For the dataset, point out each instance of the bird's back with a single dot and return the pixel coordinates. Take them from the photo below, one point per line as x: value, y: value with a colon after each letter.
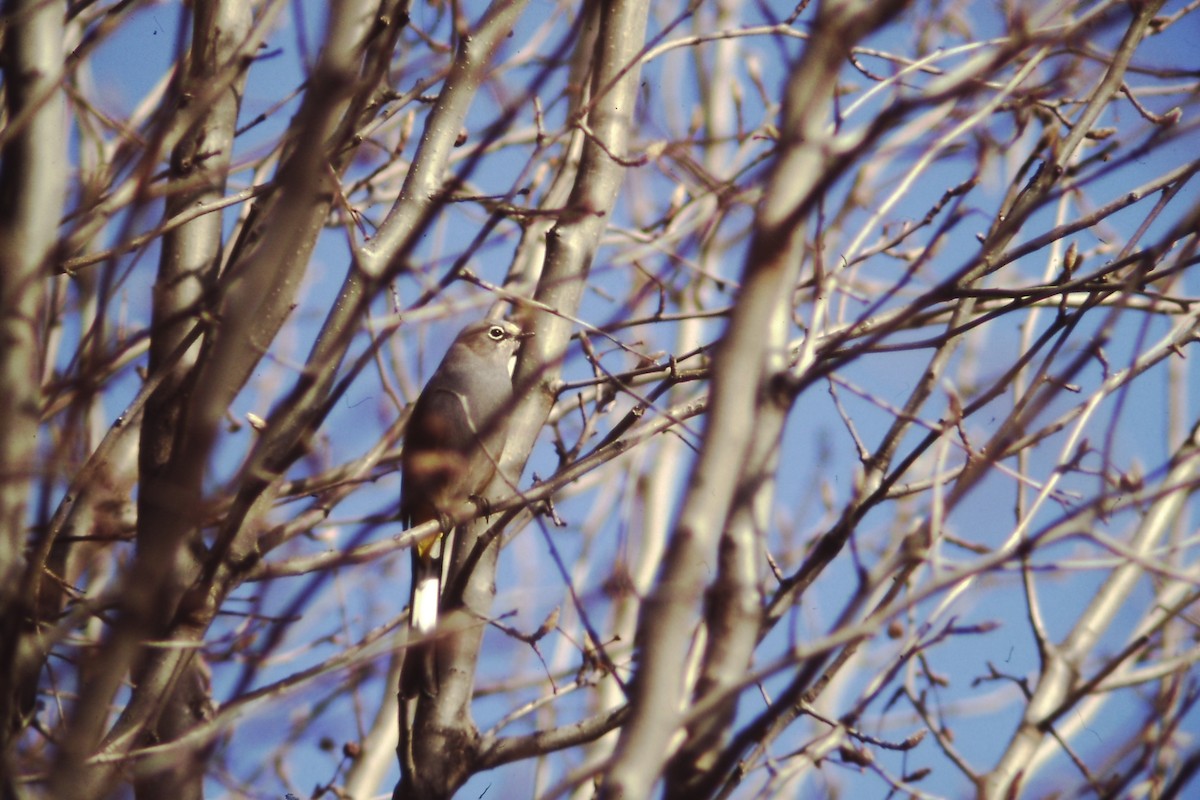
x: 455, y: 435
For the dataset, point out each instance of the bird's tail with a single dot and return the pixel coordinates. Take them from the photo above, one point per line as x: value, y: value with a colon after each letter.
x: 418, y: 675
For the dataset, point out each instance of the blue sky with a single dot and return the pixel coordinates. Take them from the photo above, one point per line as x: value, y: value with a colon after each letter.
x: 347, y: 605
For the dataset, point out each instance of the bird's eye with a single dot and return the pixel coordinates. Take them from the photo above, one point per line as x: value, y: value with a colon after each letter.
x: 495, y: 333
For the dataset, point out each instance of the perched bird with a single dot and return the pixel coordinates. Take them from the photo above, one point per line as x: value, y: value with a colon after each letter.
x: 452, y: 445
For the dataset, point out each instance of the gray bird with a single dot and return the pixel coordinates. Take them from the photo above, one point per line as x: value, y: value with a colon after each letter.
x: 451, y: 448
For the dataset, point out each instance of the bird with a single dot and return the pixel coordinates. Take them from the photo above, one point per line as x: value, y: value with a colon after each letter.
x: 452, y: 445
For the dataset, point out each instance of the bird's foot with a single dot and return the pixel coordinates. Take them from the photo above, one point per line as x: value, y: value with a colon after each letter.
x: 482, y: 505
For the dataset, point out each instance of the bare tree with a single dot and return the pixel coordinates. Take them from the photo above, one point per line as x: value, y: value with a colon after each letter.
x: 855, y: 451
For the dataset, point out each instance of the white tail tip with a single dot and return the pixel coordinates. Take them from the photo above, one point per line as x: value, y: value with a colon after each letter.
x: 425, y: 605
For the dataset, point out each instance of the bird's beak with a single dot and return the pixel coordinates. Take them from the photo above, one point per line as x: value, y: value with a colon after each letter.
x: 525, y: 335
